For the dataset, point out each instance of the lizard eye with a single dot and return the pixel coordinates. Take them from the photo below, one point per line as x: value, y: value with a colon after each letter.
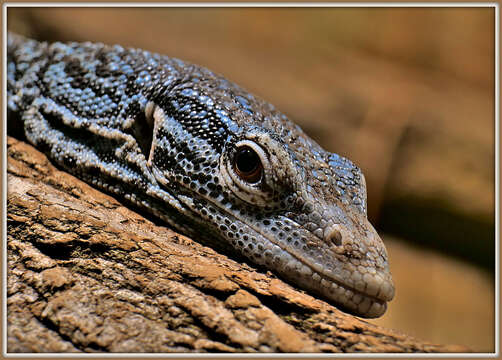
x: 247, y: 165
x: 246, y: 170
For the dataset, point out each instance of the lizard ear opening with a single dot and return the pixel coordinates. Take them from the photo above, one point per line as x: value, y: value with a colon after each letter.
x: 142, y: 130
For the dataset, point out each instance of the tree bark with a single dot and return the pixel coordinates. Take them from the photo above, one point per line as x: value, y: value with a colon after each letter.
x: 87, y: 274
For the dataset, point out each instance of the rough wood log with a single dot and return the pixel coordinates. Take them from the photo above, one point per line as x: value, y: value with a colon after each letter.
x: 87, y: 274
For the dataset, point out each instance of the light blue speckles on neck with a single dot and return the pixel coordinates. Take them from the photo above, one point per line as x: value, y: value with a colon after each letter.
x: 189, y: 92
x: 206, y: 100
x: 223, y: 116
x: 127, y: 69
x: 143, y: 78
x: 113, y: 66
x: 118, y: 48
x: 186, y: 108
x: 198, y: 115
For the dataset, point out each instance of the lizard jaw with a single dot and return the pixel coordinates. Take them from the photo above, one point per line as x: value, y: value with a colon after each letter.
x: 374, y: 288
x: 358, y: 302
x: 312, y: 276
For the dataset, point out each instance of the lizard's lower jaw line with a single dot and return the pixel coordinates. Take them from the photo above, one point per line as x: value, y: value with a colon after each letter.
x: 361, y: 292
x: 349, y: 299
x: 346, y: 297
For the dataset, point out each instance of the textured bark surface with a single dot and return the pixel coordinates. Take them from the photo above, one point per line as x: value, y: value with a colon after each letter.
x: 87, y: 274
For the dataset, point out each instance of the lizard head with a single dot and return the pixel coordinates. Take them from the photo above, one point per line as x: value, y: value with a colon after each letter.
x: 255, y: 180
x: 311, y: 205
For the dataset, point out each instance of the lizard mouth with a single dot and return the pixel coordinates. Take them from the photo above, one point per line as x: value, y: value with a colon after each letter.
x: 381, y: 295
x: 344, y: 295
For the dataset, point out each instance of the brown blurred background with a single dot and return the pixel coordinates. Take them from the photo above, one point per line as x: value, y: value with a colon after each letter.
x: 406, y: 93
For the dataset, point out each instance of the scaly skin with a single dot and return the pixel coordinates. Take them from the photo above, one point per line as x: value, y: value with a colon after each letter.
x: 167, y: 136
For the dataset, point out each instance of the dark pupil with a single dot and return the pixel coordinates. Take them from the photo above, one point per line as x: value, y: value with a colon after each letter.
x: 247, y: 160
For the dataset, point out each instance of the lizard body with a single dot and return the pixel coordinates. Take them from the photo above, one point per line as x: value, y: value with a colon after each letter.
x: 210, y: 159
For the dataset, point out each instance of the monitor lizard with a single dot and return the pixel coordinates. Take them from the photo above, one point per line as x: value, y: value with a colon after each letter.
x: 210, y: 159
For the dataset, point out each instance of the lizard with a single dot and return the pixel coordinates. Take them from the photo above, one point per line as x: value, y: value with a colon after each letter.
x: 208, y: 158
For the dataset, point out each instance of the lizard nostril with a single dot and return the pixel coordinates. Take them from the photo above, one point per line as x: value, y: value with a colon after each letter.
x: 333, y: 235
